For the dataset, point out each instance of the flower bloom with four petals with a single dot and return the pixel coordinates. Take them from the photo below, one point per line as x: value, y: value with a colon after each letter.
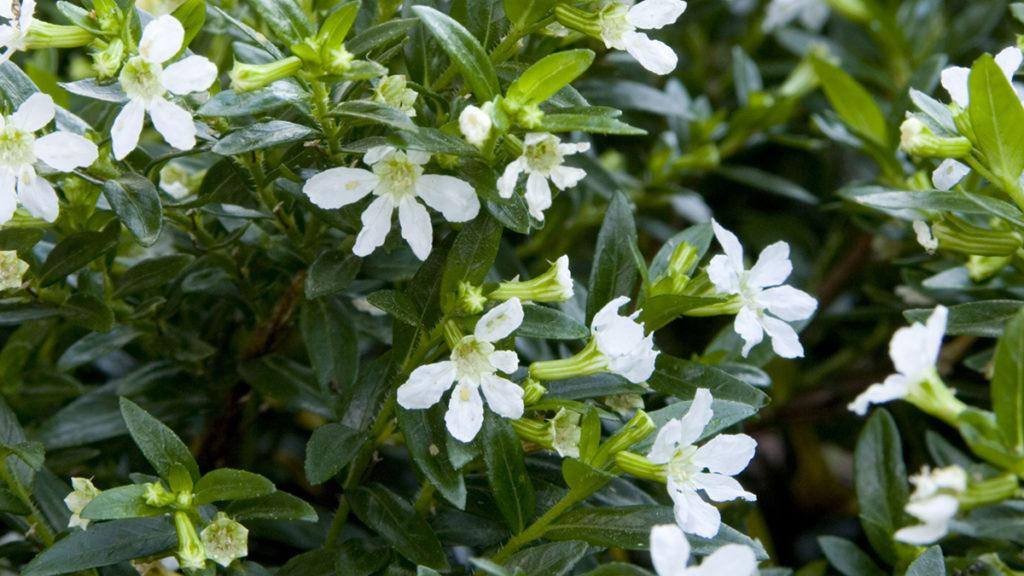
x: 670, y: 554
x: 619, y: 24
x: 12, y: 34
x: 543, y: 159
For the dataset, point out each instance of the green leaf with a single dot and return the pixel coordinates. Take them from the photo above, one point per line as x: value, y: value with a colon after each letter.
x: 551, y: 559
x: 523, y: 13
x: 158, y: 443
x: 548, y: 75
x: 997, y: 119
x: 930, y: 563
x: 150, y: 274
x: 614, y: 270
x: 627, y: 527
x: 230, y: 484
x: 426, y: 437
x: 104, y: 545
x: 550, y: 324
x: 137, y: 203
x: 397, y: 304
x: 121, y: 502
x: 464, y: 50
x: 231, y: 104
x: 332, y: 343
x: 907, y: 204
x: 77, y: 250
x: 285, y: 18
x: 984, y: 318
x: 192, y: 15
x: 660, y: 310
x: 506, y: 473
x: 847, y: 558
x: 374, y: 113
x: 762, y: 180
x: 583, y: 122
x: 95, y: 345
x: 329, y: 449
x: 31, y: 453
x: 275, y: 506
x: 852, y: 102
x: 471, y: 257
x: 331, y: 272
x: 380, y: 37
x: 1008, y: 383
x: 881, y: 482
x: 397, y: 523
x: 88, y: 311
x: 362, y: 556
x: 262, y: 135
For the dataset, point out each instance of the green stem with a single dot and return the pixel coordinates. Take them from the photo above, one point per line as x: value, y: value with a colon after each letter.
x: 35, y: 517
x: 536, y: 530
x: 322, y: 113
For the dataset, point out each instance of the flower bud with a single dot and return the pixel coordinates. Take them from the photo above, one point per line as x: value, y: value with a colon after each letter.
x: 471, y: 299
x: 981, y: 268
x: 640, y: 466
x: 554, y: 285
x: 639, y: 427
x: 225, y: 540
x: 989, y: 491
x: 158, y: 496
x: 338, y: 60
x: 78, y: 499
x: 45, y: 35
x: 958, y: 235
x: 533, y: 391
x: 246, y: 77
x: 395, y: 92
x: 476, y: 124
x: 918, y: 140
x: 12, y: 270
x: 107, y: 62
x: 579, y: 20
x: 190, y: 549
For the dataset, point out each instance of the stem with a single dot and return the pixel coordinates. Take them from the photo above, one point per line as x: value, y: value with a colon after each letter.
x: 321, y: 111
x: 35, y: 517
x: 536, y: 530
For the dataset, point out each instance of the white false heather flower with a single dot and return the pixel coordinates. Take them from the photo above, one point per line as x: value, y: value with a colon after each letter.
x: 621, y: 342
x: 767, y: 305
x: 670, y: 554
x: 473, y: 366
x: 476, y: 123
x: 396, y: 178
x: 225, y: 540
x: 723, y: 457
x: 914, y: 351
x: 543, y: 159
x: 395, y: 92
x: 811, y: 13
x: 619, y: 23
x: 554, y: 285
x: 146, y: 83
x: 923, y: 234
x: 949, y: 173
x: 82, y: 494
x: 955, y: 79
x: 12, y: 270
x: 19, y: 17
x: 934, y: 502
x: 21, y: 151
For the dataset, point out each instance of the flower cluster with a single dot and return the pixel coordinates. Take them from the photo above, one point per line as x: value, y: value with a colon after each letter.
x: 934, y: 503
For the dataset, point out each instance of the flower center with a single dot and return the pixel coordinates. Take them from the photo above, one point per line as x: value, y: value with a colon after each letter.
x: 681, y: 468
x: 472, y: 359
x: 16, y: 150
x: 543, y: 156
x: 749, y: 295
x: 397, y: 175
x: 140, y: 79
x: 615, y: 26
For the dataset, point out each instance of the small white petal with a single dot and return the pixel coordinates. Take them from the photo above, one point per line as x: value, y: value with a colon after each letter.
x: 65, y: 151
x: 1009, y: 60
x: 608, y: 313
x: 377, y: 153
x: 566, y: 176
x: 337, y: 187
x: 376, y: 225
x: 426, y: 385
x: 696, y: 418
x: 570, y: 148
x: 788, y: 303
x: 653, y: 55
x: 922, y: 534
x: 6, y: 10
x: 505, y: 360
x: 8, y: 196
x: 127, y: 128
x: 721, y: 488
x: 772, y: 266
x: 749, y: 329
x: 726, y: 454
x: 923, y: 235
x: 161, y: 39
x: 894, y: 388
x: 192, y: 74
x: 731, y: 559
x: 670, y: 551
x: 949, y: 174
x: 667, y: 442
x: 785, y: 341
x: 28, y: 9
x: 455, y: 199
x: 465, y: 413
x: 954, y: 80
x: 34, y: 113
x: 730, y: 245
x: 940, y: 508
x: 723, y: 275
x: 499, y: 321
x: 503, y: 396
x: 508, y: 179
x: 694, y: 515
x: 538, y: 195
x: 416, y: 227
x: 915, y: 348
x: 651, y: 14
x: 174, y: 123
x: 37, y: 195
x: 417, y: 156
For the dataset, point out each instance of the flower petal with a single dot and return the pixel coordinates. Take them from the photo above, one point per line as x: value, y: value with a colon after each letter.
x: 192, y: 74
x: 505, y: 360
x: 426, y: 385
x: 25, y: 17
x: 499, y: 321
x: 940, y: 508
x: 670, y: 551
x: 538, y: 195
x: 503, y: 396
x: 174, y: 123
x: 696, y: 418
x: 508, y: 179
x: 730, y: 245
x: 127, y: 127
x: 377, y: 153
x: 161, y: 39
x: 922, y: 534
x: 376, y: 225
x: 1008, y: 60
x: 748, y: 327
x: 653, y: 55
x: 954, y: 80
x: 337, y: 187
x: 65, y: 151
x: 37, y: 195
x: 416, y: 228
x: 8, y: 196
x: 915, y: 348
x: 895, y: 387
x: 726, y: 454
x: 731, y: 559
x: 723, y: 275
x: 693, y: 514
x: 566, y: 176
x: 785, y: 341
x: 788, y: 303
x: 949, y: 174
x: 608, y: 313
x: 465, y: 412
x: 666, y: 442
x: 651, y: 14
x: 34, y: 113
x: 721, y: 488
x: 455, y: 199
x: 772, y: 266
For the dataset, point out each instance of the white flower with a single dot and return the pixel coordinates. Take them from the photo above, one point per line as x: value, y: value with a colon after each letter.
x: 78, y: 499
x: 475, y: 123
x: 724, y: 456
x: 554, y: 285
x: 566, y: 433
x: 12, y: 34
x: 146, y: 83
x: 914, y: 350
x: 395, y: 92
x: 767, y: 305
x: 225, y: 540
x: 543, y: 159
x: 934, y: 502
x: 21, y: 151
x: 472, y: 367
x: 924, y: 236
x: 621, y: 342
x: 955, y: 79
x: 949, y: 173
x: 670, y: 552
x: 619, y: 25
x: 12, y: 269
x: 811, y: 13
x: 396, y: 178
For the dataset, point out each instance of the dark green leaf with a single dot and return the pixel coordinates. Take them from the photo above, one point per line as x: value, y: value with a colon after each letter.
x: 331, y: 343
x: 77, y: 250
x: 1008, y: 383
x: 930, y: 563
x: 847, y: 558
x: 982, y: 318
x: 852, y: 102
x: 471, y: 257
x: 105, y: 544
x: 997, y: 119
x: 262, y: 135
x: 275, y: 506
x: 329, y: 449
x: 121, y: 502
x: 551, y: 324
x: 614, y: 270
x: 230, y: 484
x: 464, y: 50
x: 425, y: 437
x: 158, y: 443
x: 506, y: 473
x: 397, y: 523
x: 881, y: 482
x: 552, y: 559
x: 137, y: 204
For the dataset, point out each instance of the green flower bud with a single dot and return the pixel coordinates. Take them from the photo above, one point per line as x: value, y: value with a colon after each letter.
x: 918, y: 140
x: 45, y: 35
x: 958, y: 235
x: 639, y: 427
x: 254, y: 76
x: 225, y: 540
x: 990, y: 491
x: 640, y: 466
x: 12, y: 270
x: 533, y: 391
x: 579, y: 20
x: 107, y: 62
x: 554, y: 285
x: 78, y: 499
x: 191, y: 553
x: 394, y: 91
x: 932, y: 396
x: 338, y: 60
x: 981, y: 268
x: 471, y: 299
x: 158, y: 496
